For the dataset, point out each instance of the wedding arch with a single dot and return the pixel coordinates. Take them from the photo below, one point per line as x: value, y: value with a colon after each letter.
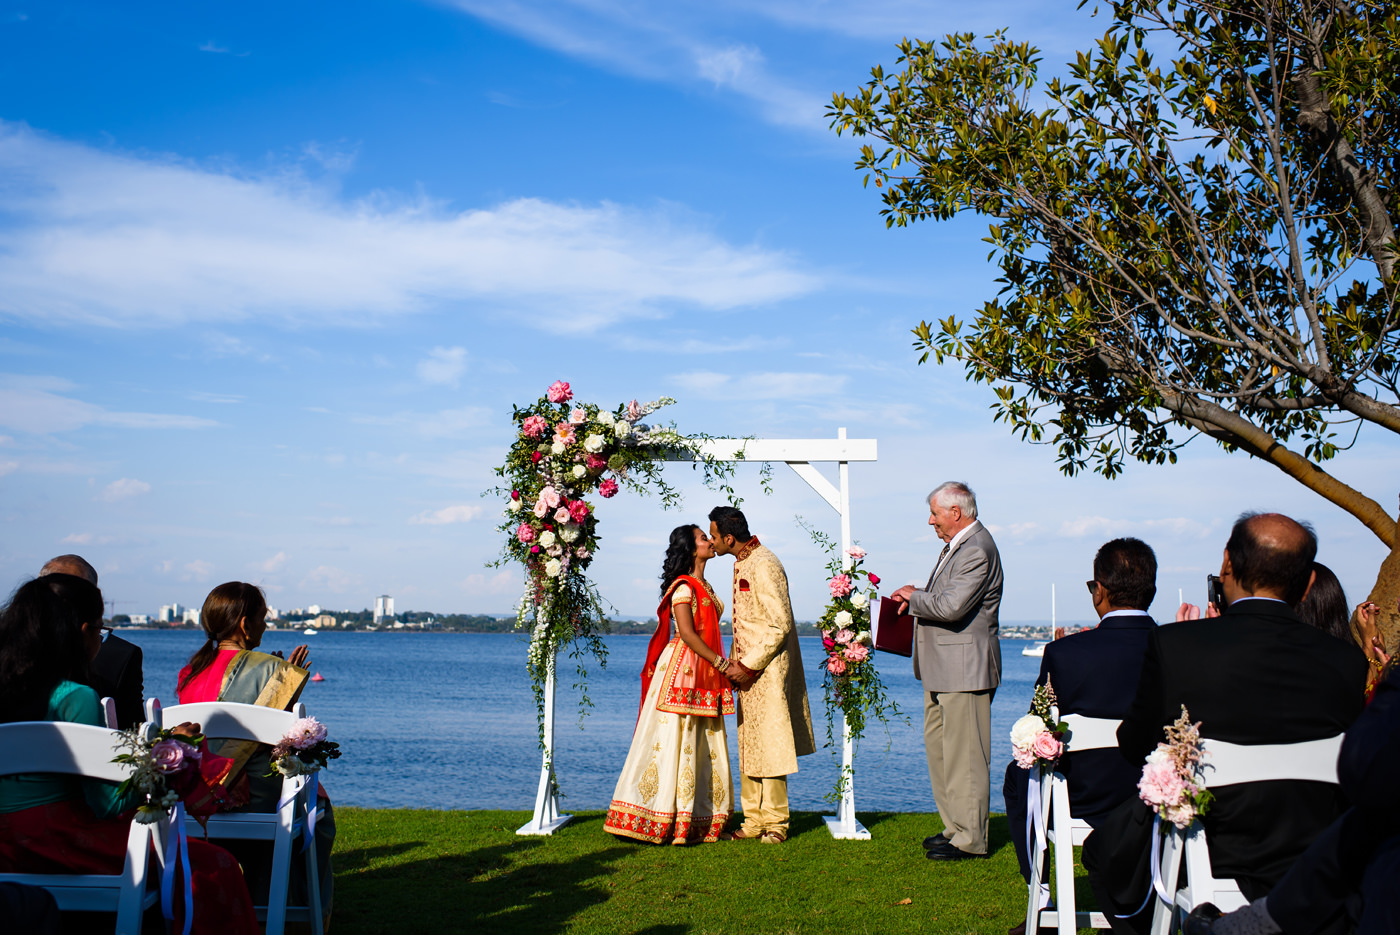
x: 616, y: 448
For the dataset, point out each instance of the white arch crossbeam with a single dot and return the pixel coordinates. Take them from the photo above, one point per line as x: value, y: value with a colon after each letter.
x: 799, y: 454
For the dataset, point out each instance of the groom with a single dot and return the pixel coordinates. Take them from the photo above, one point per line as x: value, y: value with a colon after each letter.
x: 775, y: 725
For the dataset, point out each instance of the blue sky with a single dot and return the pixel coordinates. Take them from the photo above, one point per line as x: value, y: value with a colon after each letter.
x: 272, y: 276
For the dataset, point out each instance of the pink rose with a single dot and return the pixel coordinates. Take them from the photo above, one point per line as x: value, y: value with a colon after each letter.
x: 561, y: 515
x: 564, y: 433
x: 551, y: 497
x: 171, y: 755
x: 857, y: 653
x: 874, y: 579
x: 578, y: 416
x: 526, y: 533
x: 608, y: 488
x: 836, y: 665
x: 559, y: 392
x: 595, y: 463
x: 1024, y: 758
x: 541, y: 508
x: 840, y: 585
x: 843, y: 636
x: 578, y: 511
x: 634, y: 411
x: 1047, y: 746
x: 535, y: 426
x: 1160, y: 785
x: 856, y: 552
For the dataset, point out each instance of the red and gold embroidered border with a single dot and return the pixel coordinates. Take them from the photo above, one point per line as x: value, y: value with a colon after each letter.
x: 643, y: 824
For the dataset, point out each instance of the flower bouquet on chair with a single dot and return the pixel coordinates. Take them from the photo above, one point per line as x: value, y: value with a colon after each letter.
x: 1172, y: 780
x: 157, y: 759
x: 303, y: 750
x: 1037, y: 739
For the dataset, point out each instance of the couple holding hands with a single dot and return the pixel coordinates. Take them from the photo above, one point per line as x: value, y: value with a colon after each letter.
x: 675, y: 786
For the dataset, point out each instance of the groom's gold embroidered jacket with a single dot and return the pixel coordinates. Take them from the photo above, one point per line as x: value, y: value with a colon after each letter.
x: 775, y: 723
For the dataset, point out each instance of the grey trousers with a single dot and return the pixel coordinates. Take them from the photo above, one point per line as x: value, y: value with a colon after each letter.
x: 958, y: 743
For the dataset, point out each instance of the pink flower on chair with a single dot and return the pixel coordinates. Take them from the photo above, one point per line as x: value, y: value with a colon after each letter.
x: 559, y: 392
x: 171, y: 755
x: 306, y: 733
x: 1047, y: 746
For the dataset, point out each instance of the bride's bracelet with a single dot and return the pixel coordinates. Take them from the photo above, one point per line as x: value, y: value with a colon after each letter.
x: 721, y: 663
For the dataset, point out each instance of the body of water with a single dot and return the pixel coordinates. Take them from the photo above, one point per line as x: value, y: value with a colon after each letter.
x: 447, y: 720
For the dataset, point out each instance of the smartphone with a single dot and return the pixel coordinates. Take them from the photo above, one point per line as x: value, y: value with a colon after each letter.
x: 1215, y: 592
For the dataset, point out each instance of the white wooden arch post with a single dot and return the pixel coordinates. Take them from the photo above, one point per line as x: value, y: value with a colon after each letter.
x: 798, y: 454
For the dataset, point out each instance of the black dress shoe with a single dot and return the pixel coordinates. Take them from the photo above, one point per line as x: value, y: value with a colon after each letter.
x: 937, y: 839
x: 1201, y: 919
x: 949, y: 852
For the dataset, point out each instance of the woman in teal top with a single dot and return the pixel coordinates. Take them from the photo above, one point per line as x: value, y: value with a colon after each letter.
x: 49, y: 633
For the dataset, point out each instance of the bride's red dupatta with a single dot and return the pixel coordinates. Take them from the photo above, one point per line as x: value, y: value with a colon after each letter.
x: 692, y: 685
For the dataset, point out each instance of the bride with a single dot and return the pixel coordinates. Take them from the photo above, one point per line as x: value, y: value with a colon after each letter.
x: 675, y: 785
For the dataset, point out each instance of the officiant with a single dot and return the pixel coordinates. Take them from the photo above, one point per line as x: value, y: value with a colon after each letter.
x: 957, y: 656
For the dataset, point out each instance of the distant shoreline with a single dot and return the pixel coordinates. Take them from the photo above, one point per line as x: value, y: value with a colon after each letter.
x: 617, y: 628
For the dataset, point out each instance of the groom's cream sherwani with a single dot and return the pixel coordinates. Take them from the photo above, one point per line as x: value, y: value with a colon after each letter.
x: 775, y: 723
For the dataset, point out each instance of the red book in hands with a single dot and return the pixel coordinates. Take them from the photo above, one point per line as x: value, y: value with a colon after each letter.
x: 895, y: 632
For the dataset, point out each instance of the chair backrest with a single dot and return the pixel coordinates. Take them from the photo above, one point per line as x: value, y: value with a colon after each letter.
x: 60, y: 747
x: 229, y: 720
x: 1090, y: 733
x: 109, y: 712
x: 1228, y: 764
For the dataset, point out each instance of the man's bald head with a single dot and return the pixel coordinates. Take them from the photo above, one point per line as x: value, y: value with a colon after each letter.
x: 74, y: 565
x: 1271, y: 555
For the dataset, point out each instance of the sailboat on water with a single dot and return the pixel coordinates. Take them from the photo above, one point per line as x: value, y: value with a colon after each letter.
x: 1037, y: 649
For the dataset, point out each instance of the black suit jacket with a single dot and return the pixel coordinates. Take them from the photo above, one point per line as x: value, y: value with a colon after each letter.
x: 1095, y: 673
x: 1255, y: 675
x: 116, y: 673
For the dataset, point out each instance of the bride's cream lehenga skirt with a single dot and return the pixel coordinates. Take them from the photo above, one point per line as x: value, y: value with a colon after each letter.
x: 675, y: 786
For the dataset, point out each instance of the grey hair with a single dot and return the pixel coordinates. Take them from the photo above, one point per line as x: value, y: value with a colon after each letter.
x: 955, y: 493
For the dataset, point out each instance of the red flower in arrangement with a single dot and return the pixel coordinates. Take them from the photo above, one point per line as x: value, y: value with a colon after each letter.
x: 595, y: 463
x: 828, y: 643
x: 534, y: 550
x: 535, y: 457
x: 578, y: 511
x: 607, y: 488
x: 874, y: 578
x: 559, y: 392
x: 515, y: 495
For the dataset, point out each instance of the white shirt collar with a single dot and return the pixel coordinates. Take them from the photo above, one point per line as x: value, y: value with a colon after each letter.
x: 1125, y: 613
x: 963, y: 534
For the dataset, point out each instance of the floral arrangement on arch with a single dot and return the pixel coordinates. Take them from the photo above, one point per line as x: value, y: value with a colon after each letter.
x: 1037, y: 739
x: 564, y: 452
x: 303, y: 749
x: 850, y: 681
x: 1173, y: 781
x: 157, y: 759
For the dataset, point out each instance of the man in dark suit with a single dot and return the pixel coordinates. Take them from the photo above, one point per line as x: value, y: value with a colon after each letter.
x: 1255, y: 675
x: 1095, y: 673
x: 116, y: 672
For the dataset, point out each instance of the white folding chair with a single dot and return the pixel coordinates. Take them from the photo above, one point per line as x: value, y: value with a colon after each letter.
x: 224, y: 720
x: 109, y: 712
x: 87, y: 751
x: 1230, y: 764
x: 1063, y: 830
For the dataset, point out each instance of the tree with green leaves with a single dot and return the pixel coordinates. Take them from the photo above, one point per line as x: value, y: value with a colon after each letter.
x: 1195, y: 229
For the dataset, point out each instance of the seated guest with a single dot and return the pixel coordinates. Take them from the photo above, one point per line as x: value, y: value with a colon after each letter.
x: 1345, y: 880
x: 229, y: 668
x: 49, y: 634
x: 1095, y: 673
x: 1257, y: 674
x: 116, y: 672
x: 1325, y: 606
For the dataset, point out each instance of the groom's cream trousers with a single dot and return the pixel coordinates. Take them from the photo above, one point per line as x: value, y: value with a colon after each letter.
x: 765, y: 803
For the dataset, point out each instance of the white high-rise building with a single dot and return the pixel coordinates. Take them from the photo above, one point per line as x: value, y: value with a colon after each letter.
x: 383, y: 607
x: 170, y: 613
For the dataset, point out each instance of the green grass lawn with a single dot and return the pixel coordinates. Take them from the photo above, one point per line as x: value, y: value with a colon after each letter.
x: 430, y: 871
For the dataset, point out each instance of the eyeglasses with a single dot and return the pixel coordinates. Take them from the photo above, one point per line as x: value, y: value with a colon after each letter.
x: 1091, y: 584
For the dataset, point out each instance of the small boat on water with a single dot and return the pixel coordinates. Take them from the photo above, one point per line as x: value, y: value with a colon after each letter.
x: 318, y: 677
x: 1037, y: 649
x: 309, y: 631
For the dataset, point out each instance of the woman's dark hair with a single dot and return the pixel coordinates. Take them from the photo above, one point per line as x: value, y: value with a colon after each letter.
x: 41, y: 642
x: 680, y: 555
x: 1325, y: 605
x: 225, y: 607
x: 730, y: 521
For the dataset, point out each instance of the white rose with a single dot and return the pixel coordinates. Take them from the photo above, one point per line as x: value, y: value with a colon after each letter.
x: 863, y: 636
x: 580, y: 470
x: 1023, y: 732
x: 606, y: 418
x: 842, y: 619
x: 557, y: 448
x: 1158, y: 755
x: 622, y: 429
x: 546, y: 539
x: 593, y: 443
x: 514, y: 506
x: 553, y: 567
x: 569, y: 533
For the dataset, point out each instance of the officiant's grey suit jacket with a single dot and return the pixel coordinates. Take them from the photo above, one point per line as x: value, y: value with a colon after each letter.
x: 956, y: 646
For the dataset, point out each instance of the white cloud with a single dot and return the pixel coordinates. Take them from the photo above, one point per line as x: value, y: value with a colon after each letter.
x: 443, y: 366
x: 502, y: 582
x: 330, y: 578
x: 77, y: 538
x: 197, y: 570
x: 211, y: 47
x: 124, y: 489
x: 441, y: 424
x: 458, y: 513
x: 273, y: 564
x: 102, y: 238
x: 1103, y: 527
x: 34, y: 404
x: 708, y: 384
